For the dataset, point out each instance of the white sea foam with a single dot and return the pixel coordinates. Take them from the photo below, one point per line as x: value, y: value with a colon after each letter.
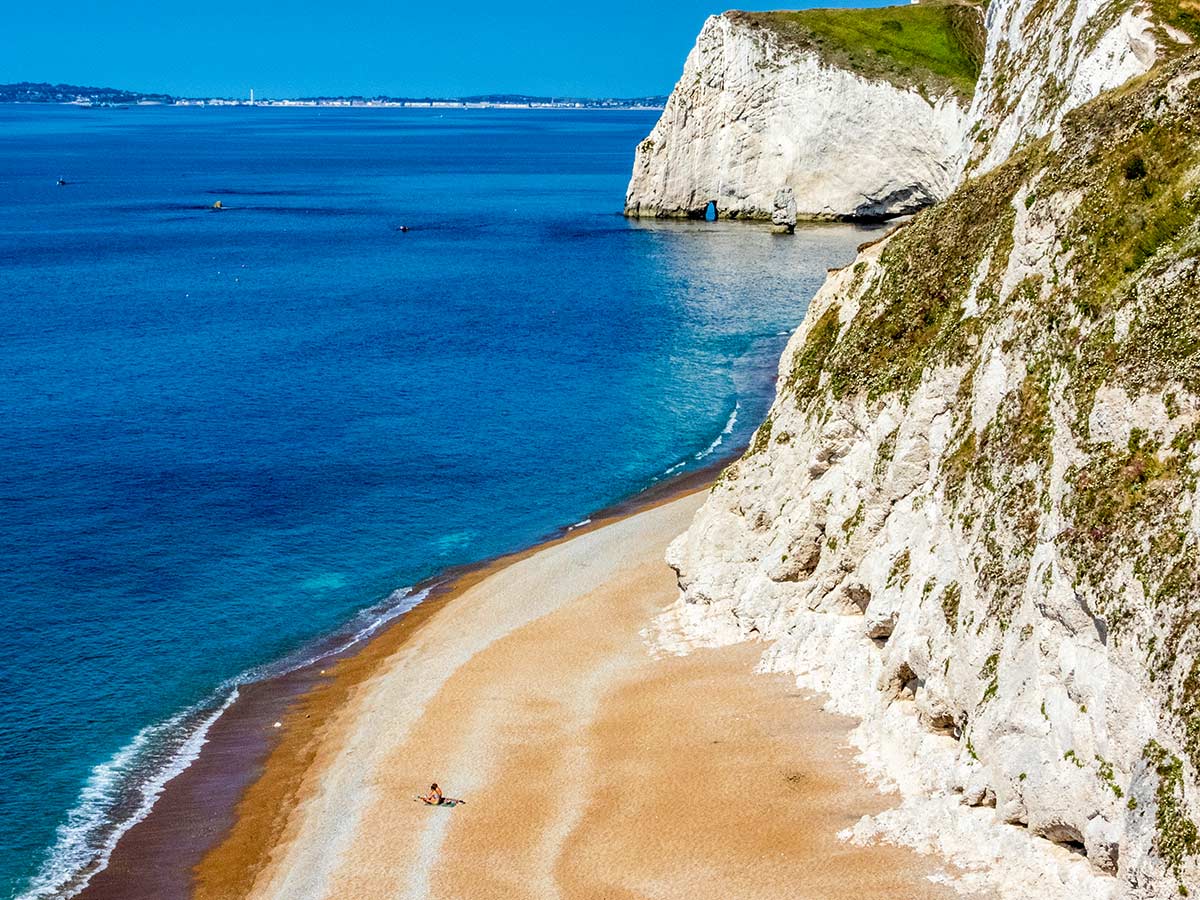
x: 398, y: 603
x: 720, y: 438
x: 85, y: 841
x: 122, y: 790
x: 710, y: 449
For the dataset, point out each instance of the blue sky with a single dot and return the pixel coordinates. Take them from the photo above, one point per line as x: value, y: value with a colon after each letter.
x: 304, y: 47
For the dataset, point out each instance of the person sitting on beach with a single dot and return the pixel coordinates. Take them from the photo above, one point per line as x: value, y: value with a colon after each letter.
x: 434, y: 797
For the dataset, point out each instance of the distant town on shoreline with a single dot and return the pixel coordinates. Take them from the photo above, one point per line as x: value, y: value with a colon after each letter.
x: 76, y: 95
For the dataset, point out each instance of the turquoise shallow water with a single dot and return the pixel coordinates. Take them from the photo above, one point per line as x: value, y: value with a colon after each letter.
x: 225, y: 434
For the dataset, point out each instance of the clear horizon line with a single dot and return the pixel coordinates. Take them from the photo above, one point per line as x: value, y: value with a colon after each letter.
x: 457, y: 98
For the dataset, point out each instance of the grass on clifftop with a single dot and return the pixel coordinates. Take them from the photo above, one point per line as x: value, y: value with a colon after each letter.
x: 1181, y: 15
x: 929, y: 46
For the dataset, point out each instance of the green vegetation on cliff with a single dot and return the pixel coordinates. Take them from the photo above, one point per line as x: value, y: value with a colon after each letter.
x: 1123, y: 196
x: 1177, y: 836
x: 933, y: 47
x: 1075, y: 266
x: 1183, y: 16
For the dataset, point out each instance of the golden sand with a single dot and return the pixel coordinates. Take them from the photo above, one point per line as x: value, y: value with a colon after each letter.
x: 590, y: 768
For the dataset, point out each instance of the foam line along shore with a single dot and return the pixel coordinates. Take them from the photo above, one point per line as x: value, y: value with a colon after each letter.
x: 192, y: 807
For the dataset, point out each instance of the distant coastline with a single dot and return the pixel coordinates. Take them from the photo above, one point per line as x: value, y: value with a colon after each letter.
x: 105, y: 97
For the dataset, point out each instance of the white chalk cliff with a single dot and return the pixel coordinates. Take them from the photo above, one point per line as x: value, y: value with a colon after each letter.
x: 1043, y: 62
x: 972, y: 516
x: 754, y: 113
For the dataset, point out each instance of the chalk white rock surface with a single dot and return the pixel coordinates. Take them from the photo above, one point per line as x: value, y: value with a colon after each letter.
x: 1045, y: 59
x: 1002, y: 683
x: 752, y: 114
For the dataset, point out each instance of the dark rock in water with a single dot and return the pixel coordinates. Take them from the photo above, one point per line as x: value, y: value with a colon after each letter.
x: 783, y: 217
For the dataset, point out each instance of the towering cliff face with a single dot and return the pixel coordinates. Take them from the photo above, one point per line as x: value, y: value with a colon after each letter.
x: 972, y: 515
x: 764, y: 105
x: 1045, y: 58
x: 758, y: 110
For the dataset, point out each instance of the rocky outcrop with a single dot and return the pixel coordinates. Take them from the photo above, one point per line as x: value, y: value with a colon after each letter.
x: 972, y: 516
x: 754, y: 113
x: 783, y: 217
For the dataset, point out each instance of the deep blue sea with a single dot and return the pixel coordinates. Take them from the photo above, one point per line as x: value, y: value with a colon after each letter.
x: 224, y: 434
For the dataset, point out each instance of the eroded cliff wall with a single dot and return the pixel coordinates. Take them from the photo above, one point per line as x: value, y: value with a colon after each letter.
x: 971, y: 516
x: 764, y: 104
x: 757, y: 111
x: 1045, y: 58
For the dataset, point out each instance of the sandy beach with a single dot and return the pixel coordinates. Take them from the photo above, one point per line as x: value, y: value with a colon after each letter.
x: 590, y: 768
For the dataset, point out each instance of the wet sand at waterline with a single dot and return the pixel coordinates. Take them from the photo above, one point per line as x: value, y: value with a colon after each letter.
x: 590, y: 768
